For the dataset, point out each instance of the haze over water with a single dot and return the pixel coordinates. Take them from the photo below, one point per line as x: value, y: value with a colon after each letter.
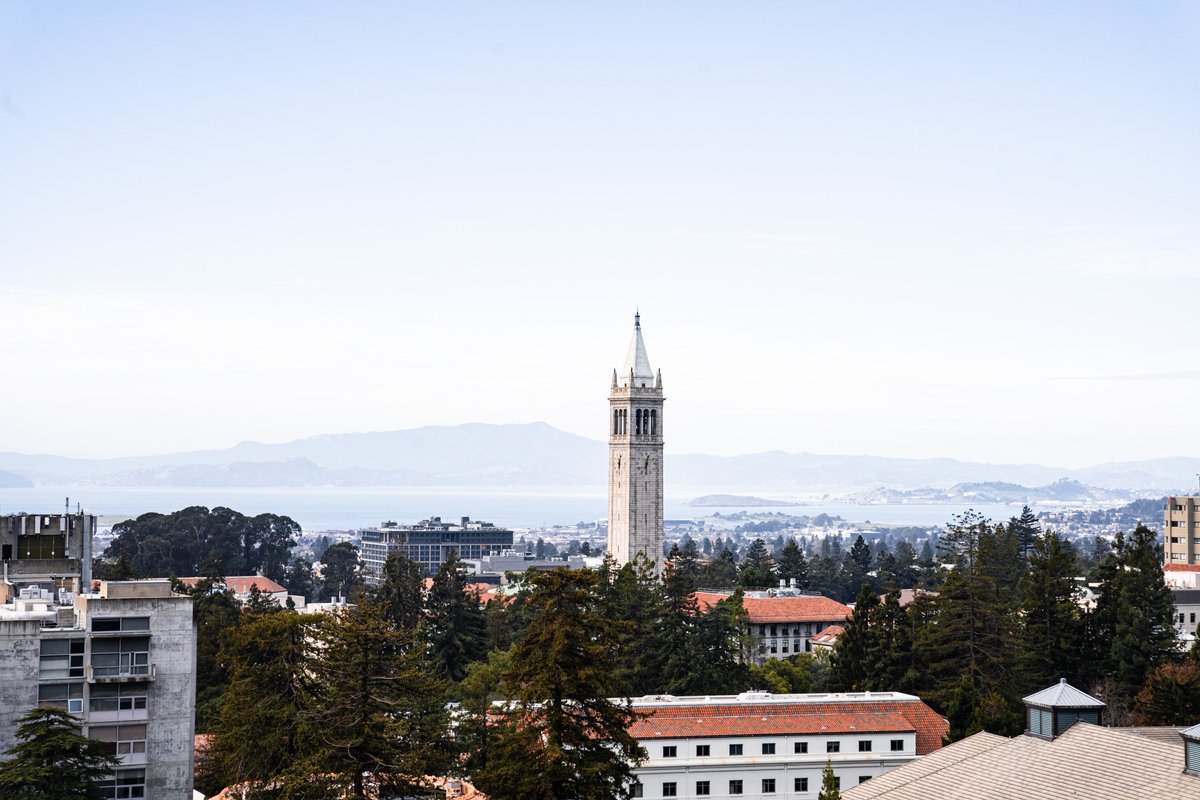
x: 332, y: 509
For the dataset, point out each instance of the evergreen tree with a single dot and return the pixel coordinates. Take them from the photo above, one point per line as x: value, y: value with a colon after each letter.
x: 905, y: 569
x: 829, y: 784
x: 973, y: 635
x: 565, y: 738
x: 720, y: 572
x: 758, y: 568
x: 857, y: 564
x: 400, y: 591
x: 456, y: 628
x: 1026, y: 528
x: 1052, y: 635
x: 792, y: 565
x: 378, y: 720
x: 214, y: 611
x: 255, y: 733
x: 340, y: 569
x: 889, y: 652
x: 1141, y: 607
x: 849, y: 666
x: 299, y: 579
x: 52, y: 760
x: 632, y: 596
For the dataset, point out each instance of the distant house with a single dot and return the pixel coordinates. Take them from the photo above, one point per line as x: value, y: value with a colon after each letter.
x: 241, y: 585
x: 781, y: 622
x: 827, y: 638
x: 1064, y: 753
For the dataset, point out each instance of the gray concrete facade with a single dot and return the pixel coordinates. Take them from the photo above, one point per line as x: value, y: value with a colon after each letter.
x: 122, y: 660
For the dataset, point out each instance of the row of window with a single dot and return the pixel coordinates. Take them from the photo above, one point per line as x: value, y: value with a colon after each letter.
x: 738, y: 786
x: 125, y: 784
x: 768, y: 748
x: 63, y: 658
x: 782, y: 630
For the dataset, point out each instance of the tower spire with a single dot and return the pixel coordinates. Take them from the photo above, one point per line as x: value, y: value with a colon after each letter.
x: 637, y: 363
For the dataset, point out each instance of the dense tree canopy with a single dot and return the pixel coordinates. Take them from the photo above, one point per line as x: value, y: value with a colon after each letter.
x: 185, y: 542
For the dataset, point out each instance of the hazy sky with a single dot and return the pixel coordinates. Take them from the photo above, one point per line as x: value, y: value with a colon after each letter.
x: 913, y: 229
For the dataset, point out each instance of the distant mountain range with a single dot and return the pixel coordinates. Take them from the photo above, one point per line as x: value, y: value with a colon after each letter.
x: 536, y: 454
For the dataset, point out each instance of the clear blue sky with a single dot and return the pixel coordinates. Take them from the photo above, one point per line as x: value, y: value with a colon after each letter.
x: 918, y: 229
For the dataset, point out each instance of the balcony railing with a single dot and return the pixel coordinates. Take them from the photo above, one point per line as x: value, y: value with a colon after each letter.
x: 124, y: 673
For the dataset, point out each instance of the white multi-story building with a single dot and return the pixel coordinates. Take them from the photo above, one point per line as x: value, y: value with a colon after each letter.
x: 762, y: 746
x: 782, y: 623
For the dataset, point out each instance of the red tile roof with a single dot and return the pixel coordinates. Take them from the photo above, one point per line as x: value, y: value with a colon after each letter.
x: 774, y: 719
x: 829, y: 634
x: 805, y: 608
x: 1181, y: 567
x: 241, y: 584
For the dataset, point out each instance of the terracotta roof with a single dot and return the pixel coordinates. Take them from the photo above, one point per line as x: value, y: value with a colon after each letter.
x: 829, y: 634
x: 805, y: 608
x: 241, y: 584
x: 1181, y: 567
x: 774, y: 719
x: 1086, y: 761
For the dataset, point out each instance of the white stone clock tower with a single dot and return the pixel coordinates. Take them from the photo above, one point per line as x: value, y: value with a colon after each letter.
x: 635, y: 457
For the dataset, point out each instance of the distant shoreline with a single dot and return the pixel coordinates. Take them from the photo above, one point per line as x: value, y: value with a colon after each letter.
x: 723, y: 500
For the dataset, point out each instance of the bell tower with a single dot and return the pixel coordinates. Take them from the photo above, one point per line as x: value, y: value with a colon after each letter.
x: 635, y: 457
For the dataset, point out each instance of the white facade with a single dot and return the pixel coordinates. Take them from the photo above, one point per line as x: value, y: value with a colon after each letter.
x: 757, y: 746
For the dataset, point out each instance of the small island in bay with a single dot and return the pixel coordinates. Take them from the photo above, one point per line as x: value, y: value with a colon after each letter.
x: 719, y: 500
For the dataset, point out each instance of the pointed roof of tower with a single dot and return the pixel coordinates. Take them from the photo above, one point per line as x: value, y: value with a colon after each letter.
x: 636, y: 360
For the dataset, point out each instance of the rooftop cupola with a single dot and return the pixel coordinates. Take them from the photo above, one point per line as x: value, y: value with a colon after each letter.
x: 1051, y: 711
x: 1191, y: 750
x: 637, y: 372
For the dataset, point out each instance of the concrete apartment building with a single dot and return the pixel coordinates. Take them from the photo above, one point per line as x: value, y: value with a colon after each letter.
x: 429, y: 543
x: 1181, y: 531
x: 782, y: 622
x: 761, y: 746
x: 121, y: 658
x: 635, y: 457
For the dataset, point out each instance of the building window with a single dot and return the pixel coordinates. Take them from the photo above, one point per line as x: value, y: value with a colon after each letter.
x: 837, y: 782
x: 897, y: 745
x: 801, y: 785
x: 67, y: 696
x: 768, y: 748
x: 735, y: 787
x: 635, y: 790
x: 123, y: 656
x: 126, y: 783
x: 61, y: 658
x: 833, y: 747
x: 799, y: 747
x: 702, y: 750
x: 124, y: 739
x: 864, y: 778
x: 768, y: 786
x: 111, y: 624
x: 735, y: 749
x: 669, y: 751
x: 669, y: 789
x: 864, y: 746
x: 702, y: 788
x: 116, y: 697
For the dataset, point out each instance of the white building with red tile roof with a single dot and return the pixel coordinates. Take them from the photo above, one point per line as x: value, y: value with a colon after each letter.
x: 241, y: 585
x: 759, y: 745
x: 782, y: 624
